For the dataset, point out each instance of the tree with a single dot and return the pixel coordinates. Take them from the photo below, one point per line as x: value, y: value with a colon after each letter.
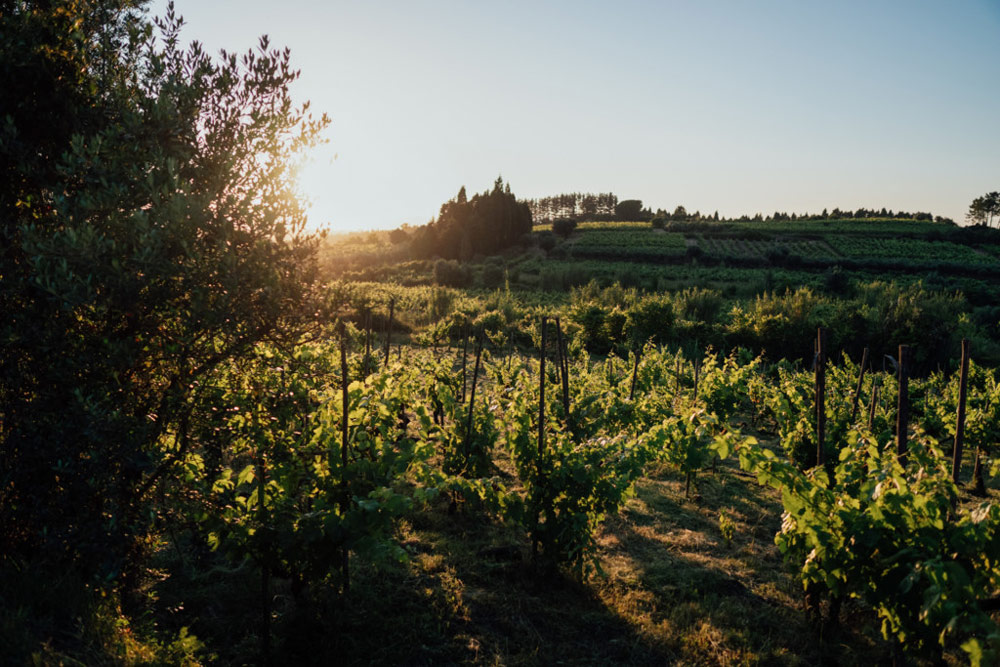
x: 680, y: 213
x: 150, y: 232
x: 629, y: 209
x: 486, y: 223
x: 983, y: 209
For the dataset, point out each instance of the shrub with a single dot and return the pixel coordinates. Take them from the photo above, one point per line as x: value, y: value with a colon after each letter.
x: 699, y: 304
x: 592, y: 320
x: 836, y: 281
x: 564, y: 227
x: 493, y: 275
x: 450, y: 273
x: 650, y: 318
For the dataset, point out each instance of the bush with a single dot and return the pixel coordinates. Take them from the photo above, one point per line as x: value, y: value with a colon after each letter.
x: 493, y: 275
x: 650, y: 318
x: 450, y: 273
x: 546, y: 241
x: 698, y: 304
x: 592, y: 320
x: 564, y: 227
x: 658, y: 222
x: 836, y: 281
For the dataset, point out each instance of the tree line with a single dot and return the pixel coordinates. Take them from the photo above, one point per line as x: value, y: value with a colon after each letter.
x: 573, y: 205
x: 680, y: 214
x: 606, y: 206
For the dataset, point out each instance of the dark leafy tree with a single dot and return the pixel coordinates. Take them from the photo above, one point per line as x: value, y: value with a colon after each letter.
x: 629, y: 209
x: 984, y: 209
x: 149, y: 232
x: 485, y: 224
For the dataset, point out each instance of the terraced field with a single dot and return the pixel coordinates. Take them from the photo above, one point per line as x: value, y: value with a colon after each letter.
x: 759, y: 249
x: 909, y: 250
x: 630, y: 243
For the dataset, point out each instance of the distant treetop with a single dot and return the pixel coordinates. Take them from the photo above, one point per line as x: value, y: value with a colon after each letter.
x: 483, y: 225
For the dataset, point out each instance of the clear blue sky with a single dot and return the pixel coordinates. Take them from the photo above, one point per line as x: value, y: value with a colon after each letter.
x: 733, y: 106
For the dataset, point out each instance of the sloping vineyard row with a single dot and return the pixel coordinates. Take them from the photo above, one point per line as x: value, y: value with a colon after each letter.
x: 910, y: 249
x: 326, y: 450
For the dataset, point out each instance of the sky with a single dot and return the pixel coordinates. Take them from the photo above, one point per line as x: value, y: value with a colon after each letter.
x: 729, y: 106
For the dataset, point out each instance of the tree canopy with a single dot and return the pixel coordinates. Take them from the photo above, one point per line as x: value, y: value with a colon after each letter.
x: 984, y: 209
x: 150, y: 232
x: 484, y: 224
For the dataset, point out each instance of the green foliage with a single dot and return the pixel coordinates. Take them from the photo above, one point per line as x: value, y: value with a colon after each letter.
x: 629, y: 209
x: 649, y: 319
x: 726, y: 528
x: 449, y: 273
x: 983, y: 209
x: 691, y: 441
x: 564, y: 227
x: 884, y: 534
x: 493, y: 275
x: 629, y: 243
x: 575, y: 480
x: 152, y: 236
x: 488, y: 222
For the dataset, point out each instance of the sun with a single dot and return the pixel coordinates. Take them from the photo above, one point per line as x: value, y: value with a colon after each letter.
x: 314, y: 177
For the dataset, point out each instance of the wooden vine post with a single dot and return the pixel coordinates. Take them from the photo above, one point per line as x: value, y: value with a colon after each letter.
x: 820, y: 395
x: 388, y: 331
x: 563, y: 367
x: 903, y: 404
x: 677, y: 374
x: 697, y: 372
x: 857, y: 390
x: 345, y: 498
x: 368, y: 337
x: 873, y: 404
x: 956, y: 461
x: 510, y: 346
x: 472, y: 401
x: 465, y: 354
x: 541, y: 432
x: 635, y: 373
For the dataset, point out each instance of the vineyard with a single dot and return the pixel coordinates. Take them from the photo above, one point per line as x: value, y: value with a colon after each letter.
x: 646, y: 243
x: 229, y: 435
x: 739, y: 248
x: 909, y: 249
x: 337, y: 450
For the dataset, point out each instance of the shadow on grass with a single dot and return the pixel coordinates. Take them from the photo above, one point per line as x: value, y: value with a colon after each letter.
x: 455, y: 601
x: 673, y: 592
x: 672, y: 573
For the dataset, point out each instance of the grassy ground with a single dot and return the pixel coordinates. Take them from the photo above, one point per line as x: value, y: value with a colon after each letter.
x: 674, y: 590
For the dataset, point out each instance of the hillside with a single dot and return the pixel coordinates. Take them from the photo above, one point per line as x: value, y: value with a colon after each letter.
x: 737, y: 258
